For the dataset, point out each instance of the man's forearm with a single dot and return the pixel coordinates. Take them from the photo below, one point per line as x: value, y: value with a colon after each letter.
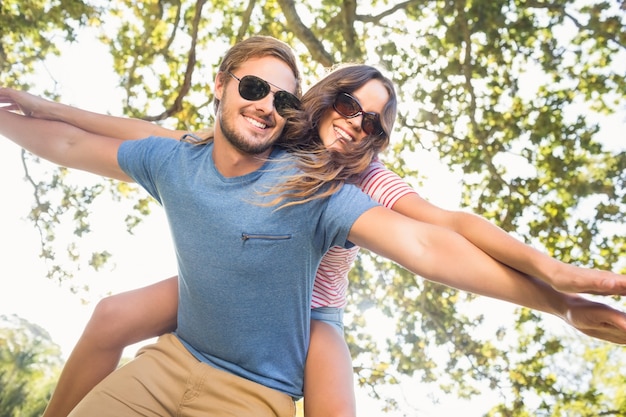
x: 47, y: 139
x: 64, y: 144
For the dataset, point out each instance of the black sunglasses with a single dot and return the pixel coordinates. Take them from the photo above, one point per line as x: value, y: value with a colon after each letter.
x: 254, y: 88
x: 349, y: 107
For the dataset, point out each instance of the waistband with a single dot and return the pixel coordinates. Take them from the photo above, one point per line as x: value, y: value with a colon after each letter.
x: 330, y: 315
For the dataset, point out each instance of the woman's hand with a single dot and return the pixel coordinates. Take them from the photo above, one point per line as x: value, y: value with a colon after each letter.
x: 573, y: 279
x: 26, y: 103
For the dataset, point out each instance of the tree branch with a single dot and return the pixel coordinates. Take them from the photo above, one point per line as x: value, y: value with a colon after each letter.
x: 388, y: 12
x: 191, y: 64
x: 245, y: 20
x: 304, y: 34
x: 350, y: 38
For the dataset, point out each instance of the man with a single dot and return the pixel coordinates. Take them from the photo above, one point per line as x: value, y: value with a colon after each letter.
x: 238, y: 311
x: 245, y: 268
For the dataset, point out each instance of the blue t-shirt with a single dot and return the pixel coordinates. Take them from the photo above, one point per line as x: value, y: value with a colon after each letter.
x: 246, y: 270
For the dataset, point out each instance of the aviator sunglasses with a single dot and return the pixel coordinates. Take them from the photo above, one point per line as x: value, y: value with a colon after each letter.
x: 349, y: 107
x: 253, y: 88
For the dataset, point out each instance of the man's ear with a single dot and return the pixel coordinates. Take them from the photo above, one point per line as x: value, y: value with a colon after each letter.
x: 219, y: 85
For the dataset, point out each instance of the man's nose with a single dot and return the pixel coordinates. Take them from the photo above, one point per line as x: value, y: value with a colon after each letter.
x: 266, y: 104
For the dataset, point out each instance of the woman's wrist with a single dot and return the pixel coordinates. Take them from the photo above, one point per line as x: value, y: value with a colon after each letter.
x: 562, y: 276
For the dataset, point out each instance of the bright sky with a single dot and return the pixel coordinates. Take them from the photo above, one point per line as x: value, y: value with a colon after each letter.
x: 138, y: 259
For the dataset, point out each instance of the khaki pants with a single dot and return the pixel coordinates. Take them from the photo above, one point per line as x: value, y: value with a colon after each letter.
x: 166, y: 380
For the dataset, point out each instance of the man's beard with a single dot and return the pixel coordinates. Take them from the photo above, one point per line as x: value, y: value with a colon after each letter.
x: 238, y: 140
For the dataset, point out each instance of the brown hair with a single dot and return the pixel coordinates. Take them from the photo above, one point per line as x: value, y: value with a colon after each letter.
x: 253, y: 47
x: 323, y: 171
x: 256, y: 47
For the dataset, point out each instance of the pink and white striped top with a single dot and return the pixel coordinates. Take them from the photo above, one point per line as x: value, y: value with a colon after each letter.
x: 331, y: 280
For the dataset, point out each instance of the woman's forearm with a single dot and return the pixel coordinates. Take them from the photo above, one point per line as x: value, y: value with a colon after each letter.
x: 100, y: 124
x: 117, y: 127
x: 512, y: 252
x: 522, y: 257
x: 444, y: 256
x: 505, y: 248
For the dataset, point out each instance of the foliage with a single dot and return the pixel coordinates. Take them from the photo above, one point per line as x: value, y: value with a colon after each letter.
x: 31, y: 31
x: 503, y: 91
x: 29, y: 365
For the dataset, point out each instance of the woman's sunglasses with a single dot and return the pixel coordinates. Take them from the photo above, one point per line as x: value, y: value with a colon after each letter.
x: 348, y: 106
x: 254, y: 89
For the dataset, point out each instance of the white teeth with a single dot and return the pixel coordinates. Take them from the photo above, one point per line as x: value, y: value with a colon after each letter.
x: 343, y: 134
x: 256, y: 123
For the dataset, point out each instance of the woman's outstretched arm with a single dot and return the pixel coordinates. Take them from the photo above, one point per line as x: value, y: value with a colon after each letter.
x: 116, y: 127
x: 512, y: 252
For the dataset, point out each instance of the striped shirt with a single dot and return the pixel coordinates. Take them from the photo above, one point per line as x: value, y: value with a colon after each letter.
x: 331, y: 280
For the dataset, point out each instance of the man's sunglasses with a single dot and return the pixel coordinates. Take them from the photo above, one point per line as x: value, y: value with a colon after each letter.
x: 349, y: 107
x: 254, y: 89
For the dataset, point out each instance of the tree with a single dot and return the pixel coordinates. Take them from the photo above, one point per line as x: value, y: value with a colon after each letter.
x: 29, y: 366
x: 503, y: 92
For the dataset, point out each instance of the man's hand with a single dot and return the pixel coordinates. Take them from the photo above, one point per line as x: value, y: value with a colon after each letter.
x: 597, y: 320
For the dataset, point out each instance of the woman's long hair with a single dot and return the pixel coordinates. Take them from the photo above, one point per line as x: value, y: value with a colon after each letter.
x: 323, y: 171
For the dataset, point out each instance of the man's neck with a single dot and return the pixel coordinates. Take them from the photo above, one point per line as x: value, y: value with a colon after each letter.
x: 231, y: 162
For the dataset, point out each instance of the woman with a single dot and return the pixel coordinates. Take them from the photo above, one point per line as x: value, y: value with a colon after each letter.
x: 347, y: 119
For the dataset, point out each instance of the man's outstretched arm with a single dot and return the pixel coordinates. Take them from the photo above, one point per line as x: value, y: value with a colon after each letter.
x: 444, y: 256
x: 64, y: 144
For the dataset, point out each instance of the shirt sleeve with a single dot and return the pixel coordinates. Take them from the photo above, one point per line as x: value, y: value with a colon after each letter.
x: 344, y: 208
x: 383, y: 185
x: 140, y: 159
